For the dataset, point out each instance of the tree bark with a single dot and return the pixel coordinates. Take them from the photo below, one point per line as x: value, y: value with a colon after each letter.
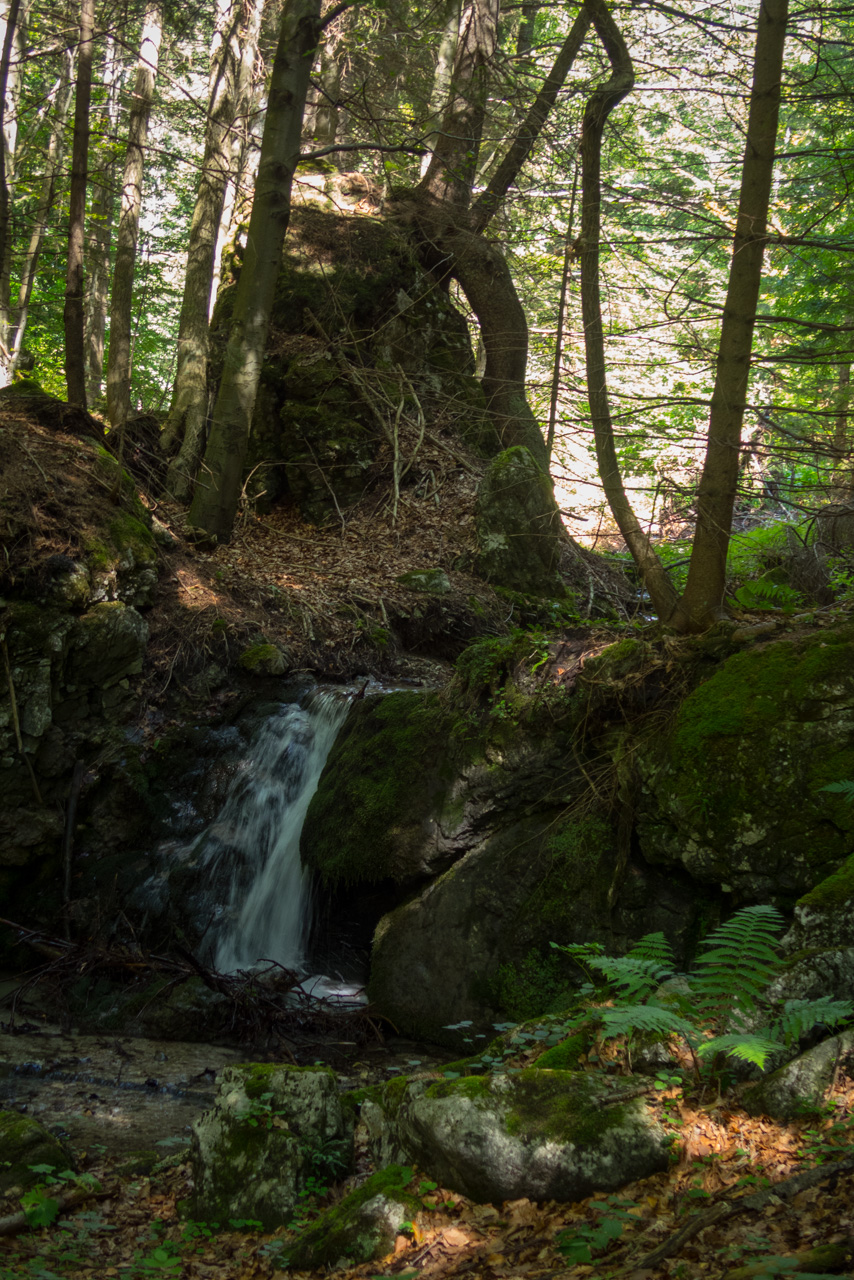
x: 186, y: 425
x: 599, y: 106
x: 531, y: 127
x: 442, y: 77
x: 121, y: 302
x: 450, y: 175
x: 75, y: 362
x: 702, y: 601
x: 10, y: 78
x: 102, y: 213
x: 53, y: 161
x: 218, y: 488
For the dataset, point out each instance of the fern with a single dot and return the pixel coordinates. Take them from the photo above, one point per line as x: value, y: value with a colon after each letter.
x: 749, y: 1046
x: 622, y: 1020
x: 763, y: 593
x: 654, y: 946
x: 631, y: 978
x: 738, y: 962
x: 800, y: 1016
x: 845, y: 789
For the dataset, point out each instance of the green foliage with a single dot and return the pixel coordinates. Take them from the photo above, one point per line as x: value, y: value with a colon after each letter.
x: 764, y: 593
x: 39, y: 1203
x: 845, y: 789
x: 579, y: 1243
x: 724, y: 995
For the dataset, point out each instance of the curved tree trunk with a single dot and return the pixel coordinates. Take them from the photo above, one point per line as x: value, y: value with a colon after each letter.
x: 218, y: 487
x: 599, y: 106
x: 186, y: 425
x: 121, y: 303
x: 101, y: 215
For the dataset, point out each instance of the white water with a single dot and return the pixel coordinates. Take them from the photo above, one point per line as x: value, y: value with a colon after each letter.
x: 268, y: 915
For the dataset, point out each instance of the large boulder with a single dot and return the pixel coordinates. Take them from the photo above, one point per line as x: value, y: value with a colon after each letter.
x: 269, y: 1130
x: 734, y: 791
x: 519, y: 528
x: 799, y: 1086
x: 545, y: 1135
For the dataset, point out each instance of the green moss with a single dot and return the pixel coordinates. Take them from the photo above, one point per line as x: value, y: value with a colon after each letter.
x: 564, y: 1056
x: 561, y: 1105
x: 259, y: 655
x: 534, y: 986
x: 472, y: 1087
x: 833, y: 893
x: 389, y: 771
x: 339, y: 1233
x: 256, y: 1076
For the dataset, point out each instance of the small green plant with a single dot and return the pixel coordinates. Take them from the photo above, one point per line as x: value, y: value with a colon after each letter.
x: 579, y: 1243
x: 39, y: 1204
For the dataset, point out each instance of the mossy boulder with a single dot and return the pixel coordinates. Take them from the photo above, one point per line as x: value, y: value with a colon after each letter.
x: 798, y: 1088
x: 385, y: 800
x: 518, y: 526
x: 734, y: 791
x: 25, y: 1142
x: 263, y: 660
x: 270, y: 1129
x: 361, y: 1227
x: 545, y: 1135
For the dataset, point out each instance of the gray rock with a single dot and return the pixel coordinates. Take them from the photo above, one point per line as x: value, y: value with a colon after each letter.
x: 800, y: 1085
x: 547, y: 1135
x: 271, y: 1128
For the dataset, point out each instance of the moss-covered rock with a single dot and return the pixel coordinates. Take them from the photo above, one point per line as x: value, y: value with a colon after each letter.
x: 361, y: 1227
x: 384, y: 799
x: 798, y: 1087
x: 263, y: 660
x: 734, y: 791
x: 518, y: 525
x: 554, y: 1135
x: 271, y: 1128
x: 25, y: 1142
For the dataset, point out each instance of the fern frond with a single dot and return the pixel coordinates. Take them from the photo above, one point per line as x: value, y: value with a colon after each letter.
x: 800, y: 1016
x: 632, y: 979
x: 652, y: 1018
x: 738, y: 961
x: 845, y: 789
x: 748, y: 1046
x: 655, y: 947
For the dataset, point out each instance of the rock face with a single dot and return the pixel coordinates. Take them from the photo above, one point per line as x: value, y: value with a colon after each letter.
x: 799, y: 1086
x: 547, y: 1135
x: 518, y: 525
x: 774, y: 722
x: 24, y: 1142
x: 270, y: 1129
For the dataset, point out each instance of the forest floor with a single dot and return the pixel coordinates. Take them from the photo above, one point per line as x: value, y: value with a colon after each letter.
x: 744, y: 1197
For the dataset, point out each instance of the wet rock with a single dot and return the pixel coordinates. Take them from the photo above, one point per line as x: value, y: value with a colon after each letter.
x: 546, y: 1135
x: 25, y: 1142
x: 270, y: 1129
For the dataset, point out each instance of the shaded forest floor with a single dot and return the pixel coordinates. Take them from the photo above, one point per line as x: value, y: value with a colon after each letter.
x: 131, y: 1227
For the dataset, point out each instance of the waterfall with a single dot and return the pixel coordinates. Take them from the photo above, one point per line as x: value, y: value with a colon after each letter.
x: 255, y: 838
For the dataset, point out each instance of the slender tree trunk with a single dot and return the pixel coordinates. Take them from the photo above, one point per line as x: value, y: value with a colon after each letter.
x: 843, y: 473
x: 101, y: 217
x: 75, y: 362
x: 702, y: 601
x: 531, y: 127
x: 121, y: 313
x: 450, y: 175
x: 442, y: 76
x: 186, y: 426
x: 53, y: 161
x: 11, y: 31
x: 599, y: 106
x: 218, y: 489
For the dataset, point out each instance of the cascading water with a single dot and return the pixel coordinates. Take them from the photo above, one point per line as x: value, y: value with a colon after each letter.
x: 263, y: 912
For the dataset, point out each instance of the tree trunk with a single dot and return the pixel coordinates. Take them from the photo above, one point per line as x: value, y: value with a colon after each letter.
x: 53, y: 161
x: 702, y: 602
x: 101, y: 217
x: 186, y: 425
x: 599, y: 106
x: 450, y: 175
x: 11, y: 29
x: 218, y: 489
x: 119, y: 358
x: 75, y: 363
x: 442, y: 77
